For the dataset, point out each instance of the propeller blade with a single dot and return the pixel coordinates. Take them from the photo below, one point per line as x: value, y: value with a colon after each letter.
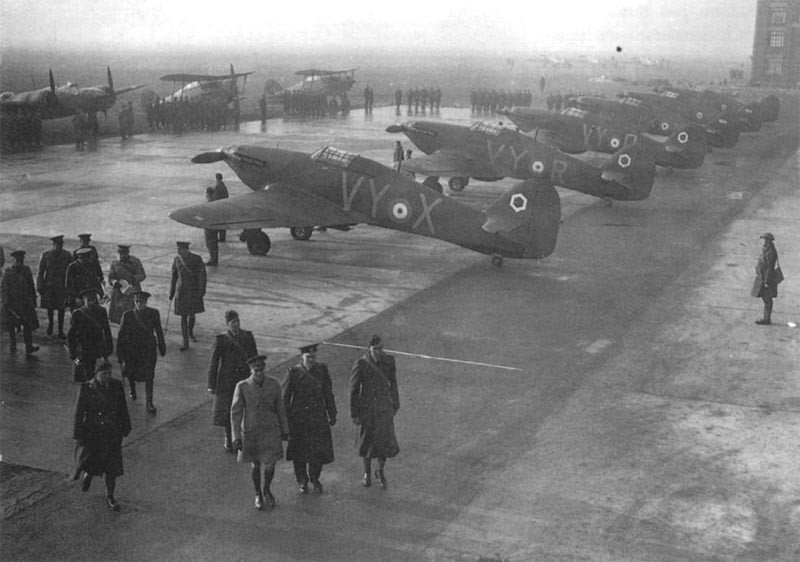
x: 110, y: 80
x: 209, y: 157
x: 52, y: 82
x: 396, y: 129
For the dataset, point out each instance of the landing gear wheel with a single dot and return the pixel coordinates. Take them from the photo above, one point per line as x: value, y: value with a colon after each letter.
x: 607, y: 201
x: 497, y: 260
x: 457, y: 184
x: 301, y: 232
x: 258, y: 243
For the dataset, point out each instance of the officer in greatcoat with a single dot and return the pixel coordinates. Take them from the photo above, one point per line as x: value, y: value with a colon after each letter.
x: 311, y: 409
x: 374, y: 401
x: 89, y: 336
x: 18, y: 303
x: 187, y: 289
x: 94, y: 257
x: 140, y: 335
x: 258, y: 420
x: 101, y: 421
x: 81, y: 275
x: 228, y: 366
x: 51, y: 283
x: 125, y: 277
x: 765, y: 285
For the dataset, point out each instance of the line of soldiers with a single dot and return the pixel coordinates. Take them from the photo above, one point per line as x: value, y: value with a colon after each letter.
x: 489, y: 101
x: 419, y: 99
x: 20, y: 129
x: 197, y: 114
x: 314, y: 104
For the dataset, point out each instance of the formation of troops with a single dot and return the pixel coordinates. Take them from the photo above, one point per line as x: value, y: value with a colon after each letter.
x: 257, y: 412
x: 419, y: 99
x: 314, y: 104
x: 489, y: 101
x: 192, y: 114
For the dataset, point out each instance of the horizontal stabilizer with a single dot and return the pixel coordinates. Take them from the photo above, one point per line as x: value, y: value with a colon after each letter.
x: 209, y: 157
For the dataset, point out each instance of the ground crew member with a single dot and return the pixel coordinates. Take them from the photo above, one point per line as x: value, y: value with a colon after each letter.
x: 89, y: 336
x: 259, y: 424
x: 766, y: 282
x: 187, y: 288
x: 100, y: 423
x: 140, y: 335
x: 220, y: 192
x: 211, y: 235
x: 51, y: 283
x: 374, y: 401
x: 125, y: 276
x: 227, y: 367
x: 398, y: 156
x: 18, y: 303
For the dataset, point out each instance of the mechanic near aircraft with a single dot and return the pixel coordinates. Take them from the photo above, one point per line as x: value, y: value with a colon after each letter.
x: 311, y: 409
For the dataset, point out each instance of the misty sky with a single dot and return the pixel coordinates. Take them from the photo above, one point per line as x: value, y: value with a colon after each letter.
x: 718, y: 28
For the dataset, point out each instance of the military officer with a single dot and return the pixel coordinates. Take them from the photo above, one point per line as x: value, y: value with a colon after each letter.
x: 220, y: 192
x: 18, y: 303
x: 227, y: 367
x: 258, y: 420
x: 125, y: 277
x: 374, y: 401
x: 51, y: 283
x: 94, y: 261
x: 89, y: 336
x: 766, y: 282
x: 212, y: 244
x: 187, y: 289
x: 81, y: 275
x: 140, y: 335
x: 311, y: 409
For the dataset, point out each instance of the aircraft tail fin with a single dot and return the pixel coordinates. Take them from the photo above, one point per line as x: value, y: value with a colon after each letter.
x: 687, y: 146
x: 634, y: 168
x: 529, y: 214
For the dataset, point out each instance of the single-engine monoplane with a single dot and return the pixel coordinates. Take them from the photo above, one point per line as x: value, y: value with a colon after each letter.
x: 335, y: 187
x: 489, y: 152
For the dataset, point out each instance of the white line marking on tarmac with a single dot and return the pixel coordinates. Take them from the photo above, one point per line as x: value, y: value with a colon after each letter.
x: 421, y: 356
x: 598, y: 346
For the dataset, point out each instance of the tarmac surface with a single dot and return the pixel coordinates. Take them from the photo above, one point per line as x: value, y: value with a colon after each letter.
x: 613, y: 402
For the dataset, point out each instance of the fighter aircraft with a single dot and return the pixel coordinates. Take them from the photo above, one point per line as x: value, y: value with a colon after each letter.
x: 335, y: 187
x: 657, y: 119
x: 575, y: 131
x: 748, y: 115
x: 489, y: 152
x: 329, y: 82
x: 224, y: 87
x: 63, y: 101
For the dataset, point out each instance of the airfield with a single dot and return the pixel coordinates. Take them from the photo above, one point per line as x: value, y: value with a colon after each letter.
x: 613, y: 402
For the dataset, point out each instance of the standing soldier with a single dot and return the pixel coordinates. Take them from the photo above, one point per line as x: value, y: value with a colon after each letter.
x: 311, y: 409
x: 220, y: 192
x: 18, y: 303
x: 94, y: 257
x: 89, y: 336
x: 766, y: 282
x: 51, y: 283
x: 81, y: 275
x: 398, y: 99
x: 125, y: 276
x: 398, y: 156
x: 227, y: 367
x: 262, y: 105
x: 101, y: 421
x: 374, y: 401
x: 188, y: 287
x: 140, y: 335
x: 258, y: 420
x: 79, y: 124
x: 211, y: 235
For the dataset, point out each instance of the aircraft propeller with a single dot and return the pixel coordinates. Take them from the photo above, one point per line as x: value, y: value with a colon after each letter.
x: 209, y: 157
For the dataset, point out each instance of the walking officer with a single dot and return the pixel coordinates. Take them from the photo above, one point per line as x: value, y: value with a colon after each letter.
x: 89, y: 336
x: 51, y: 283
x: 187, y: 288
x: 18, y: 303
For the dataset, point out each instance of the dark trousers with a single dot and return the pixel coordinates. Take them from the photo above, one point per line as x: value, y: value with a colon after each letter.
x: 27, y: 336
x: 306, y: 471
x: 221, y: 235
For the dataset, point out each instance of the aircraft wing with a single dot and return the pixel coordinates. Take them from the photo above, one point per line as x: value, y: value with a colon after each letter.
x: 448, y: 164
x: 280, y: 205
x: 200, y: 77
x: 129, y: 89
x: 318, y: 72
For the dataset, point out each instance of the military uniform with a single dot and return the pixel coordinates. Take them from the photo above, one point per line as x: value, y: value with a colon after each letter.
x: 127, y: 269
x: 51, y: 283
x: 228, y: 366
x: 220, y: 192
x: 80, y: 276
x: 765, y: 285
x: 140, y: 336
x: 311, y: 410
x: 18, y: 303
x: 258, y: 419
x: 187, y: 288
x: 374, y: 400
x: 89, y: 338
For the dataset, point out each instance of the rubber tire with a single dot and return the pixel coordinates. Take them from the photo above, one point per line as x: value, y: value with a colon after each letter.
x: 258, y: 244
x: 301, y: 232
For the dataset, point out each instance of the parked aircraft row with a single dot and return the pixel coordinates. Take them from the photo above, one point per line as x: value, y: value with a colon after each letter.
x: 336, y: 188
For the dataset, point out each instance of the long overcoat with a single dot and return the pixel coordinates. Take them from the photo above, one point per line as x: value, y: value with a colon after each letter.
x: 227, y: 367
x: 374, y: 400
x: 764, y: 285
x: 94, y: 263
x: 132, y: 272
x: 18, y: 297
x: 101, y: 420
x: 140, y: 336
x: 79, y: 278
x: 258, y: 418
x: 88, y: 339
x: 51, y: 278
x: 311, y: 409
x: 188, y: 284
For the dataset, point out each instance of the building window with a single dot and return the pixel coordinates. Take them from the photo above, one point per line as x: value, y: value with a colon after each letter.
x: 774, y: 66
x: 776, y: 39
x: 778, y: 18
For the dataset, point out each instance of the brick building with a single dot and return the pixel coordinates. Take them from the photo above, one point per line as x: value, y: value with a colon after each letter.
x: 776, y: 46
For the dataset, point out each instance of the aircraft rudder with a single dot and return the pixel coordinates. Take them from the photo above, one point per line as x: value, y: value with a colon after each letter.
x: 634, y: 167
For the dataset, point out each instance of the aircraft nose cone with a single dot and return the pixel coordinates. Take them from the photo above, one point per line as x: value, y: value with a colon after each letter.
x: 396, y: 129
x: 209, y: 157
